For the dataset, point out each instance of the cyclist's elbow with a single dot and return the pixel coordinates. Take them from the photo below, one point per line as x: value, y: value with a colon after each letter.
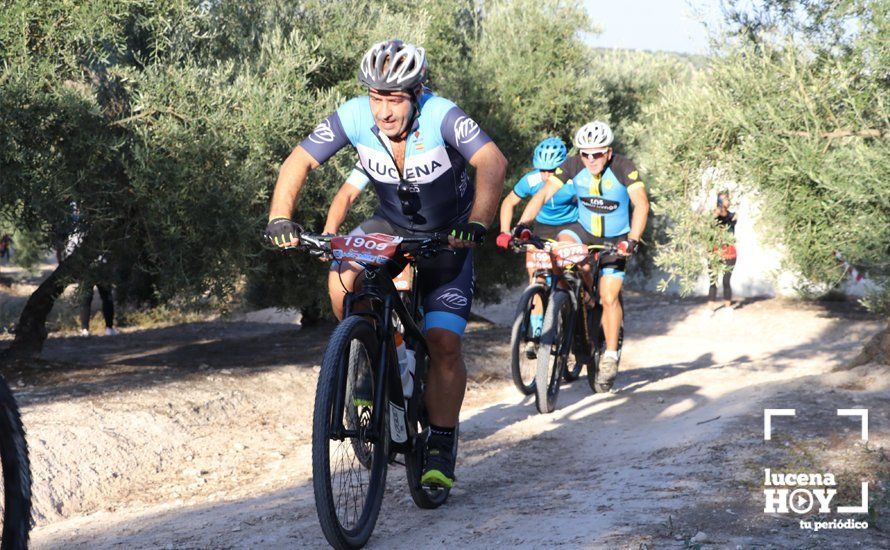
x: 491, y: 160
x: 299, y: 161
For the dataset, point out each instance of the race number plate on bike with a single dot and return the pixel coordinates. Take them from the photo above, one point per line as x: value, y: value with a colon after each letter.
x: 569, y: 253
x: 373, y: 249
x: 537, y: 259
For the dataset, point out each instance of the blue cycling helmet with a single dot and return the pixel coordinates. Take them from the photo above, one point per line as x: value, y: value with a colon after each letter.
x: 549, y: 154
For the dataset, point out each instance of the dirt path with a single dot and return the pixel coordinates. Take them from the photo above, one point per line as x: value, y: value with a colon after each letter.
x: 198, y: 436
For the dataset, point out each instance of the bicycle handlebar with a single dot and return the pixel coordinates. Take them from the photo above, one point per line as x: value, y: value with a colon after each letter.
x: 540, y: 243
x: 318, y: 244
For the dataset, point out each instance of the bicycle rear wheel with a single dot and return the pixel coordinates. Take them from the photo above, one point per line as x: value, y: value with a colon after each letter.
x: 349, y: 460
x: 523, y: 365
x: 552, y: 353
x: 16, y: 473
x: 424, y: 497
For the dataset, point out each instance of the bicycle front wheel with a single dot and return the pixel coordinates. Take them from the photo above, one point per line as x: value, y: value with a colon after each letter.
x: 552, y: 353
x: 523, y: 342
x: 349, y: 459
x: 16, y: 473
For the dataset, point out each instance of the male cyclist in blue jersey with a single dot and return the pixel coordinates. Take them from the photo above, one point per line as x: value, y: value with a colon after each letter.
x: 413, y: 147
x: 561, y: 209
x: 612, y: 208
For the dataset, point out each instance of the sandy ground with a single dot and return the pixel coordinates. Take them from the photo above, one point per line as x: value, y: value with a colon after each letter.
x: 198, y: 436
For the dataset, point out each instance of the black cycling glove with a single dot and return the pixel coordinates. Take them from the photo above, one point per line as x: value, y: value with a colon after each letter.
x: 627, y: 247
x: 282, y: 231
x: 469, y: 231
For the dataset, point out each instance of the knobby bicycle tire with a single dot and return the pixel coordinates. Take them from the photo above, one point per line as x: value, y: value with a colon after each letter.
x: 336, y: 359
x: 518, y: 338
x: 572, y: 372
x: 16, y: 473
x: 550, y: 364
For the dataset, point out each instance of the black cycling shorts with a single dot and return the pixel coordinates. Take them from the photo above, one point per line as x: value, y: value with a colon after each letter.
x: 447, y: 280
x: 544, y: 231
x: 611, y: 264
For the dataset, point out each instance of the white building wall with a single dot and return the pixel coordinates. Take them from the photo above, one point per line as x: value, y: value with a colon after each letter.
x: 758, y: 270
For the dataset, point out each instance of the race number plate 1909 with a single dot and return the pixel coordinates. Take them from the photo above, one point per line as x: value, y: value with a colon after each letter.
x: 372, y: 249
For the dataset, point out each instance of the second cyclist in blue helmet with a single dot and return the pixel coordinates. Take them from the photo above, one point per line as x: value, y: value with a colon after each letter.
x: 559, y: 211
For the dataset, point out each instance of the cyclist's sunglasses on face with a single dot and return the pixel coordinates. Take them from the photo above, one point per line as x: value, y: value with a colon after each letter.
x: 596, y: 155
x: 409, y: 207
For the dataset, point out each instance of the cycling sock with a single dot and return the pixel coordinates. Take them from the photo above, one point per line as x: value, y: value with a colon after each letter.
x: 611, y: 353
x: 537, y: 323
x: 440, y: 431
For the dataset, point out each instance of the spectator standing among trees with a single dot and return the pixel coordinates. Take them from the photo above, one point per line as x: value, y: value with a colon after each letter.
x: 5, y: 247
x: 105, y: 294
x: 726, y: 219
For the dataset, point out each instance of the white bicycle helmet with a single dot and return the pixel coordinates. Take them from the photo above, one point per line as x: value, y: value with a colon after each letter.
x: 393, y: 66
x: 593, y: 135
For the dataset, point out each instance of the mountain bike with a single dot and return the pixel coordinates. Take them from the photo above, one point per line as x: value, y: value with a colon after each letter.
x: 571, y: 323
x: 523, y: 364
x: 16, y: 473
x: 362, y: 421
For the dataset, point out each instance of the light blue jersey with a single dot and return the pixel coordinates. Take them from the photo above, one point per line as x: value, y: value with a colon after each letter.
x: 603, y: 201
x: 561, y: 209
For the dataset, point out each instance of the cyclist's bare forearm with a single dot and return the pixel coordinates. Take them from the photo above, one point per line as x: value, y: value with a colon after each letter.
x: 640, y: 212
x: 537, y: 202
x: 507, y: 207
x: 491, y: 168
x: 340, y: 206
x: 291, y: 177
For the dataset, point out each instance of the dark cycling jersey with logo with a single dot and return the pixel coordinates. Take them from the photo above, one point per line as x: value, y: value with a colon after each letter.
x: 603, y: 201
x: 442, y: 140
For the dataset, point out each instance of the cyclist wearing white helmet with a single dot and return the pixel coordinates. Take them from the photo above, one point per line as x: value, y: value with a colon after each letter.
x: 612, y: 208
x: 413, y: 147
x: 560, y: 210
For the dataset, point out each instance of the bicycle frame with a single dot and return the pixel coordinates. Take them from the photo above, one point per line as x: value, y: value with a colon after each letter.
x: 379, y: 290
x: 575, y: 283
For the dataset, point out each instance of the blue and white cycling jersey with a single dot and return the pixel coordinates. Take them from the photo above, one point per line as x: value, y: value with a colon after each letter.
x: 561, y: 209
x: 442, y: 140
x: 603, y: 201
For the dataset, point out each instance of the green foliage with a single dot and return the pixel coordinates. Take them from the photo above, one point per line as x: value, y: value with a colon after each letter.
x: 26, y: 249
x: 165, y: 121
x: 798, y: 123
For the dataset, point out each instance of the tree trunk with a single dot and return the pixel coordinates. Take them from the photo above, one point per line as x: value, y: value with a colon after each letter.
x: 30, y: 332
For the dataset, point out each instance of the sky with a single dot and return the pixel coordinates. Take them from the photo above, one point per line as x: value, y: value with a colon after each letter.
x: 665, y: 25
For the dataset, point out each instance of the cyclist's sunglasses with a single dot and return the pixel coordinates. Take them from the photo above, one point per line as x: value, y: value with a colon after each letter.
x: 595, y: 155
x: 409, y: 207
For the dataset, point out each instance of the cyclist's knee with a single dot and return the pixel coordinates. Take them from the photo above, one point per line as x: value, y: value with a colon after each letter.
x: 609, y: 296
x: 340, y: 281
x: 445, y: 348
